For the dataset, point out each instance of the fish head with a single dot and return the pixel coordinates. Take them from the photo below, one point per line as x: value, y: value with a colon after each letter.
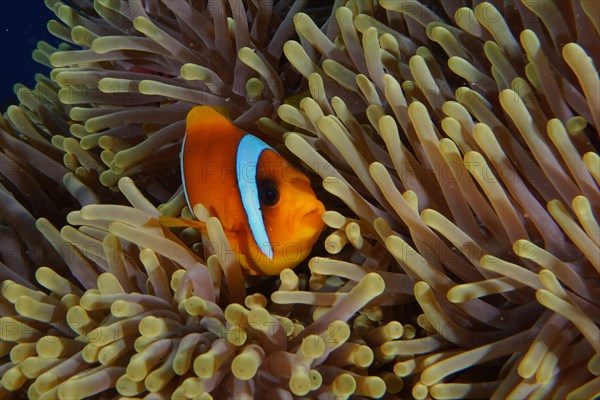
x: 291, y: 212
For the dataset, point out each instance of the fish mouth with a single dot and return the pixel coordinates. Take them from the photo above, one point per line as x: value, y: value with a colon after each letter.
x: 311, y: 216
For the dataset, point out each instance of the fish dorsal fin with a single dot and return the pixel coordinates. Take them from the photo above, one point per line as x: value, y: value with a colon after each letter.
x: 249, y: 150
x: 206, y: 117
x: 201, y: 120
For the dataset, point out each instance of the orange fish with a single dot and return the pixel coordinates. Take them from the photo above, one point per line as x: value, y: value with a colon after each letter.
x: 268, y: 210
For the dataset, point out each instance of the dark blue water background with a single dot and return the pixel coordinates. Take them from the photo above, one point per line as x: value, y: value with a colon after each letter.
x: 22, y: 25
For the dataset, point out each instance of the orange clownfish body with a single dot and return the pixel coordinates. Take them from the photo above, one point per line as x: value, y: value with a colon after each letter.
x: 268, y: 210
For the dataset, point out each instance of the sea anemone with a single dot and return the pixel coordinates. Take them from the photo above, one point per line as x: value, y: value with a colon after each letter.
x: 457, y: 146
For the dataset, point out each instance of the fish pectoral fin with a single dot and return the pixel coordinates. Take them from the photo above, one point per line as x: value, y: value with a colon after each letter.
x: 174, y: 222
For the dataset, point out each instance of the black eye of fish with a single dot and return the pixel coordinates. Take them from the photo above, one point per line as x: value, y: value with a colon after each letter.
x: 268, y: 193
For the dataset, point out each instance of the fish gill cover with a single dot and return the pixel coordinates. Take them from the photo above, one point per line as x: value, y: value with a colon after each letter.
x: 453, y: 143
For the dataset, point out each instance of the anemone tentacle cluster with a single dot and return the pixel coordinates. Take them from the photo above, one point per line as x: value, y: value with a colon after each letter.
x: 457, y: 146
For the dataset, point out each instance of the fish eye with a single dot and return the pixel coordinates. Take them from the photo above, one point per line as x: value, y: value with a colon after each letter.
x: 268, y: 193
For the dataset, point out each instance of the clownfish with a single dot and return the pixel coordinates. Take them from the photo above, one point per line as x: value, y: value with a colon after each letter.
x: 269, y: 212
